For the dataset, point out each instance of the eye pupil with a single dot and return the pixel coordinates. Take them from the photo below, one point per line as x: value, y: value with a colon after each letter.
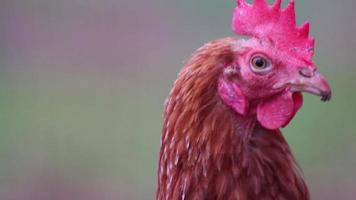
x: 259, y: 62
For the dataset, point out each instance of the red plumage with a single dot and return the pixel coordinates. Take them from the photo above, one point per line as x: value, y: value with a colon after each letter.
x: 220, y: 136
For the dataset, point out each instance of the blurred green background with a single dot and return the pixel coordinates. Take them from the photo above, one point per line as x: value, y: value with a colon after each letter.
x: 82, y: 86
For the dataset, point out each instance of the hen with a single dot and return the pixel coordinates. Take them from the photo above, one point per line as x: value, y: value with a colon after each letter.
x: 221, y: 137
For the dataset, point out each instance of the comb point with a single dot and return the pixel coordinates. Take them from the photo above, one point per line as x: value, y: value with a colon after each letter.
x: 312, y: 41
x: 241, y: 2
x: 289, y: 12
x: 304, y: 29
x: 277, y: 4
x: 290, y: 7
x: 260, y: 3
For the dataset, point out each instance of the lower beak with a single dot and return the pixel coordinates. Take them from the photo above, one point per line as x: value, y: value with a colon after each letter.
x: 315, y: 84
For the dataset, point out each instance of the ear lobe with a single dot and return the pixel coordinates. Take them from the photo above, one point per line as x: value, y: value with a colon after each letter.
x: 232, y: 95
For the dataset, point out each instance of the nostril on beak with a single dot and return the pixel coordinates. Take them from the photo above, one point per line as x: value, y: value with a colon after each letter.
x: 307, y: 73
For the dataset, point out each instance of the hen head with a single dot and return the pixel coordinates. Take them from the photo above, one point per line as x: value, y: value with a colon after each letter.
x: 273, y: 67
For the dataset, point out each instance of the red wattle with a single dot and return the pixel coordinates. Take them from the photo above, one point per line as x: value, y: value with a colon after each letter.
x: 279, y: 110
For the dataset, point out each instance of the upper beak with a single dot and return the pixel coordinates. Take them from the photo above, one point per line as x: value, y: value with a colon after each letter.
x: 312, y: 82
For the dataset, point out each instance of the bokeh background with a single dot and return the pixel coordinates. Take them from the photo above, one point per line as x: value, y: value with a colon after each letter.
x: 82, y: 86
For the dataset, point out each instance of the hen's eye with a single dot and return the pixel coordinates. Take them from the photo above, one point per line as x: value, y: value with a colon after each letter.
x: 260, y: 64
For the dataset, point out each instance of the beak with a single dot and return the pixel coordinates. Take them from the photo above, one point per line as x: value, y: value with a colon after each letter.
x: 312, y: 82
